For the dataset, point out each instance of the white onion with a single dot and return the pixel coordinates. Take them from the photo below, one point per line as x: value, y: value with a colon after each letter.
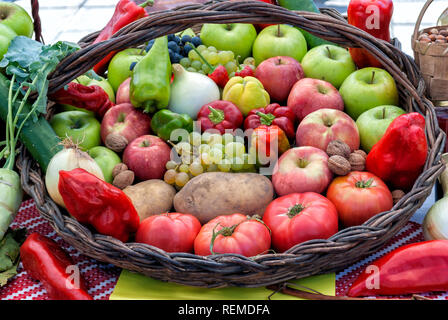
x: 69, y: 158
x: 190, y: 91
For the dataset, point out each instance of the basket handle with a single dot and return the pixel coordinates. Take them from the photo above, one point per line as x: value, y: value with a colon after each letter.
x: 36, y: 21
x: 419, y: 20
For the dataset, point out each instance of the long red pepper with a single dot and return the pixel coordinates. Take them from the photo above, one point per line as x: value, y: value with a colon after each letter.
x: 126, y: 12
x: 45, y: 261
x: 92, y: 98
x: 414, y: 268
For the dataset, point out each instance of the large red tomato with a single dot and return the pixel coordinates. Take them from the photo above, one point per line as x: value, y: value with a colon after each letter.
x: 235, y: 233
x: 172, y: 232
x: 298, y: 217
x: 359, y: 196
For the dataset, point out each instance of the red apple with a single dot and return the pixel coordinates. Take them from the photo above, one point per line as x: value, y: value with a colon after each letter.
x: 301, y: 169
x: 321, y: 127
x: 125, y: 120
x: 147, y: 156
x: 308, y: 95
x: 278, y: 75
x: 123, y: 90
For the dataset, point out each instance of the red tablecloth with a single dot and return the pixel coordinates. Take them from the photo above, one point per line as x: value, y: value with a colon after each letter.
x: 101, y: 278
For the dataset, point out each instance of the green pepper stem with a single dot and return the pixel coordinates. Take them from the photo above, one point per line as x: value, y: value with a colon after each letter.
x: 216, y: 116
x: 266, y: 119
x: 146, y: 3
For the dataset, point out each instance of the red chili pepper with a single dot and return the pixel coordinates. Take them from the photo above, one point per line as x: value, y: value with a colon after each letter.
x: 92, y: 98
x: 247, y: 71
x: 93, y: 201
x: 44, y: 260
x: 126, y: 11
x: 414, y: 268
x: 372, y: 16
x: 220, y: 76
x: 398, y: 158
x: 264, y: 138
x: 272, y: 114
x: 220, y: 115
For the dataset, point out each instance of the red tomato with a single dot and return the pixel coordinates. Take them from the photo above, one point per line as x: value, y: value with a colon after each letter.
x: 172, y: 232
x: 237, y: 234
x: 298, y: 217
x: 359, y: 196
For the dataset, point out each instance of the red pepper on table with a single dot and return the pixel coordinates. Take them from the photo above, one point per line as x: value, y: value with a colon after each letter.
x: 93, y: 201
x: 264, y: 138
x: 273, y: 114
x: 220, y: 76
x: 92, y: 98
x: 220, y: 115
x: 46, y: 261
x: 372, y: 16
x: 414, y: 268
x: 126, y: 12
x: 399, y: 156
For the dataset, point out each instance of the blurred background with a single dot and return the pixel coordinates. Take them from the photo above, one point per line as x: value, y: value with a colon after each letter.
x: 70, y: 20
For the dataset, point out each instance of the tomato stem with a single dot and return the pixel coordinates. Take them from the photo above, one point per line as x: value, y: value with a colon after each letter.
x: 295, y: 210
x: 364, y: 184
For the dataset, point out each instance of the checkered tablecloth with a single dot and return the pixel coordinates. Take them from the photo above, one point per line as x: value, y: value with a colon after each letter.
x: 101, y: 278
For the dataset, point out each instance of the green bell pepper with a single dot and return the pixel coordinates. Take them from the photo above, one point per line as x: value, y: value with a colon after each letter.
x: 164, y: 122
x: 150, y: 82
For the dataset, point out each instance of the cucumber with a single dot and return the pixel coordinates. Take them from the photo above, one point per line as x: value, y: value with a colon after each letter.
x: 304, y: 5
x: 38, y: 137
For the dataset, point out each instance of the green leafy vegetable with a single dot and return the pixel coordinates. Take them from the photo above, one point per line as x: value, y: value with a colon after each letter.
x: 10, y: 254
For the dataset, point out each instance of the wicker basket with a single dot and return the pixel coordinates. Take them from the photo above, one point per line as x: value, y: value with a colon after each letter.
x: 432, y: 58
x: 220, y: 270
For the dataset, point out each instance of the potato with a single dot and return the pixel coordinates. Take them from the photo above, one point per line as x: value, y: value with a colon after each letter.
x: 219, y: 193
x: 151, y: 197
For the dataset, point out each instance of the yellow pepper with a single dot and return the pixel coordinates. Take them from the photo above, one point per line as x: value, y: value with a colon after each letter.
x: 246, y: 93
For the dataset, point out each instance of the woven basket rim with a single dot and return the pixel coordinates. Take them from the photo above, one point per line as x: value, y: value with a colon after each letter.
x: 230, y: 269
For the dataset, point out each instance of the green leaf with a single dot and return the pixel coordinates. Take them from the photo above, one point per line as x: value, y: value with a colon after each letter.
x: 10, y: 254
x: 8, y: 274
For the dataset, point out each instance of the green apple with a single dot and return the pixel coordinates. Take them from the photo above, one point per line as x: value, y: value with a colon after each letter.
x: 106, y: 159
x: 373, y: 123
x: 368, y: 88
x: 279, y: 40
x: 6, y: 35
x: 67, y: 107
x: 16, y: 18
x: 81, y: 127
x: 120, y: 66
x: 236, y: 37
x: 103, y: 83
x: 328, y: 62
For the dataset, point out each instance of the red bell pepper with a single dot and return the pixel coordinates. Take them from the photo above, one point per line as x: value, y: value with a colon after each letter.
x: 220, y: 115
x: 92, y: 98
x: 267, y: 139
x: 93, y: 201
x: 372, y: 16
x: 272, y: 114
x: 398, y: 158
x: 220, y: 76
x: 126, y: 12
x: 414, y: 268
x: 46, y: 261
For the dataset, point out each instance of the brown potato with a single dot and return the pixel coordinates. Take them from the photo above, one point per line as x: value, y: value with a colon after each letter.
x: 151, y: 197
x: 219, y: 193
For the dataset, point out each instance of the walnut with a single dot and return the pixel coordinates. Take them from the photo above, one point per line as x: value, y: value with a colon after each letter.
x: 124, y: 179
x: 361, y: 152
x: 357, y: 162
x: 116, y: 142
x: 397, y: 195
x: 339, y: 165
x: 338, y: 148
x: 119, y: 168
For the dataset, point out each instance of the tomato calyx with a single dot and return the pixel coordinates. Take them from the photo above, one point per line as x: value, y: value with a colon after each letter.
x: 295, y: 210
x: 364, y: 184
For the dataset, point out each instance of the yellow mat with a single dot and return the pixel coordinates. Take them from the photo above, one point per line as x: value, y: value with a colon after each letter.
x: 133, y: 286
